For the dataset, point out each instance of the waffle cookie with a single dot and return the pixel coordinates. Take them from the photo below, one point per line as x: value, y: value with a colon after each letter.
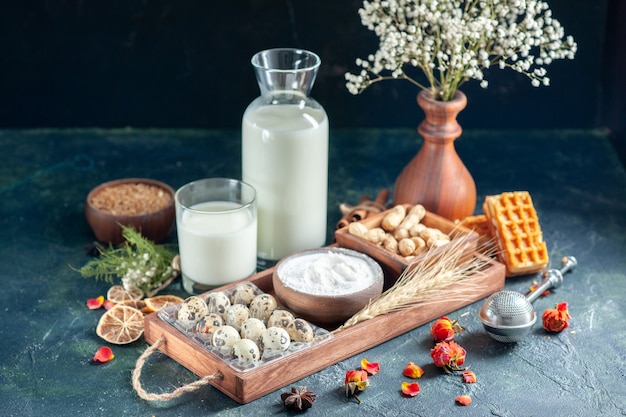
x: 513, y: 222
x: 480, y: 225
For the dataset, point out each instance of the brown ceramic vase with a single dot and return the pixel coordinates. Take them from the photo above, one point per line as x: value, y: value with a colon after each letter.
x: 436, y: 177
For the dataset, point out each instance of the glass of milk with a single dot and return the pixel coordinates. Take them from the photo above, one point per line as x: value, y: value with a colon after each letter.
x: 216, y: 221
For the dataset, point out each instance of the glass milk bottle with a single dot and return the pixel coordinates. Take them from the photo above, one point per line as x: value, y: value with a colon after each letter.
x: 285, y: 154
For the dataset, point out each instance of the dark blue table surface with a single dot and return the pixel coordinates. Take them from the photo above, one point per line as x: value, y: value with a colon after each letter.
x: 47, y: 335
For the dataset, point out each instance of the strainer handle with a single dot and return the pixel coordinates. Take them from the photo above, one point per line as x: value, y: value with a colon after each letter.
x: 552, y: 278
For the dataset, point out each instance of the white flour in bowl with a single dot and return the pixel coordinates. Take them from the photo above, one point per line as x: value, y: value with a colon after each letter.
x: 326, y: 273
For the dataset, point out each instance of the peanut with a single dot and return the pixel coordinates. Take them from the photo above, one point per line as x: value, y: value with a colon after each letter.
x: 390, y: 243
x: 414, y: 216
x: 393, y: 218
x: 357, y: 229
x: 420, y: 245
x: 401, y: 233
x: 406, y: 247
x: 375, y: 235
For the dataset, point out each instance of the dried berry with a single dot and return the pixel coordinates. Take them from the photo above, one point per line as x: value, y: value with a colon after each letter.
x: 298, y: 398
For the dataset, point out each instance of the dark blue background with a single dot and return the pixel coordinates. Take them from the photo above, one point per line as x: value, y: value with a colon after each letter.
x: 173, y: 63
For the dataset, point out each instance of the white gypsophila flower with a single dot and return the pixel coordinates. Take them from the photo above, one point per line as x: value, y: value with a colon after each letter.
x: 452, y: 41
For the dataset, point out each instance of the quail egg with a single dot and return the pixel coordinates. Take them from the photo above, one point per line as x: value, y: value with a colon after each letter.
x: 252, y: 329
x: 280, y: 318
x: 246, y: 352
x: 275, y: 339
x: 262, y: 306
x: 243, y: 294
x: 218, y: 302
x: 300, y: 330
x: 206, y: 326
x: 235, y: 315
x: 191, y: 310
x: 225, y: 337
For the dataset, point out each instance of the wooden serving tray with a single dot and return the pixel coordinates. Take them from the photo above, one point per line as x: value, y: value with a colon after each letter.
x: 249, y: 385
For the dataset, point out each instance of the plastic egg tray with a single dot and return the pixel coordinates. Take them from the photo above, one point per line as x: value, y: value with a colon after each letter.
x: 170, y: 314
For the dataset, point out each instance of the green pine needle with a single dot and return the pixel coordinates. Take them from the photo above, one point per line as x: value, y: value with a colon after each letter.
x: 139, y: 262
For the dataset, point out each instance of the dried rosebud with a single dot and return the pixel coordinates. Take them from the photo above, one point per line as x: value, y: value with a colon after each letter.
x: 469, y: 377
x: 95, y: 303
x: 104, y: 354
x: 444, y: 329
x: 108, y: 304
x: 356, y: 381
x: 413, y: 371
x: 448, y: 355
x: 410, y: 388
x: 556, y: 319
x: 464, y: 400
x: 371, y: 368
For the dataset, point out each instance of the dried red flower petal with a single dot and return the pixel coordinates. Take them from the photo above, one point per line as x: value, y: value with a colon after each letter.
x: 556, y: 319
x: 108, y: 304
x: 444, y: 329
x: 104, y: 354
x: 469, y: 377
x: 464, y: 400
x: 448, y: 355
x: 413, y: 371
x: 95, y: 303
x: 410, y: 388
x: 371, y: 368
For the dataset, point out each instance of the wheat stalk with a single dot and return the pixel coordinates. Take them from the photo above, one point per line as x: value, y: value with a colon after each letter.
x: 421, y: 283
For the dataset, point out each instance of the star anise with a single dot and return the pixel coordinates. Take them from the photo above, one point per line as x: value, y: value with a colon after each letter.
x: 298, y: 399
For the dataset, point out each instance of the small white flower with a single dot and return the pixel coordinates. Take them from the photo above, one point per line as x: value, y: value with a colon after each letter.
x: 452, y: 41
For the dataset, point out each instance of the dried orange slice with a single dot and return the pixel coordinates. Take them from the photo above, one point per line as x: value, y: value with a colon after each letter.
x: 118, y: 293
x: 159, y: 302
x: 138, y: 304
x: 121, y: 325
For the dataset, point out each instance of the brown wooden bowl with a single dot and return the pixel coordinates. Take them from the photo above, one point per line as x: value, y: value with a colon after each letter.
x: 154, y: 224
x: 317, y: 307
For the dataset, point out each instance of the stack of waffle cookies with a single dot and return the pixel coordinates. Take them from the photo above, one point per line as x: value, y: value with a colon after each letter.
x: 510, y: 223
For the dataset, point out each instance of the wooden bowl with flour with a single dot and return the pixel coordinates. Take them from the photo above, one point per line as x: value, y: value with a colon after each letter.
x: 327, y: 286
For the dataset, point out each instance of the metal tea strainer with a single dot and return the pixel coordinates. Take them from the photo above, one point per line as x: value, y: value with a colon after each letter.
x: 508, y: 315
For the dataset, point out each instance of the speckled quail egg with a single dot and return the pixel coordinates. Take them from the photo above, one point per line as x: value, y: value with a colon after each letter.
x: 225, y: 337
x: 246, y: 352
x: 208, y: 324
x: 252, y: 329
x: 280, y: 318
x: 262, y: 306
x: 235, y: 315
x: 300, y: 330
x: 218, y: 302
x: 191, y: 310
x: 244, y: 294
x: 276, y: 339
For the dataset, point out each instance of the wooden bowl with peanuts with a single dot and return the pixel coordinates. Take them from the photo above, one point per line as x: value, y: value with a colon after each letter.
x: 403, y: 235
